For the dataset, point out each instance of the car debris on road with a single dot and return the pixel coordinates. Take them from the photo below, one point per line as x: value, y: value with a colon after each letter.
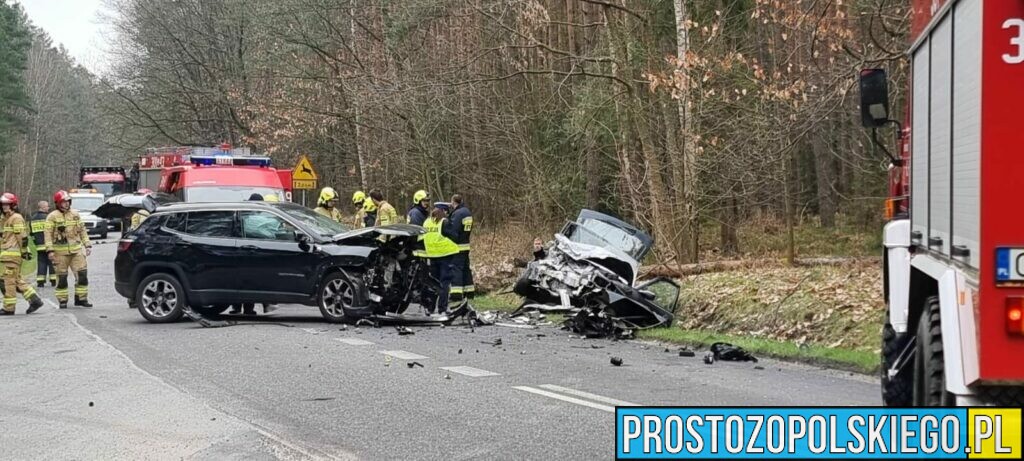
x: 590, y: 272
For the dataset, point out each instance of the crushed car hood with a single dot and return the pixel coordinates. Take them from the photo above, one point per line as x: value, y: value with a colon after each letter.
x: 394, y: 230
x: 594, y: 254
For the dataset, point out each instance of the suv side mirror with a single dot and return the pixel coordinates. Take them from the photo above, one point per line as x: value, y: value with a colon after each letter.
x: 874, y: 98
x: 303, y: 240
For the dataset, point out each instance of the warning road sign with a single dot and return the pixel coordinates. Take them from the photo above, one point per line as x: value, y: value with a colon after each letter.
x: 304, y: 170
x: 304, y: 176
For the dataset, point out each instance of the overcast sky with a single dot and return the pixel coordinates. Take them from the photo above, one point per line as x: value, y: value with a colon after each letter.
x: 75, y: 24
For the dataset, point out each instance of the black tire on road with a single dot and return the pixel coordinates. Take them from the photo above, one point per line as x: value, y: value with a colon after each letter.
x: 898, y: 391
x: 337, y: 292
x: 160, y: 298
x: 929, y: 365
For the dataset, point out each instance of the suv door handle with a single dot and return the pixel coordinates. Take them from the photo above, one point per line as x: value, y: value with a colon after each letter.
x: 250, y: 247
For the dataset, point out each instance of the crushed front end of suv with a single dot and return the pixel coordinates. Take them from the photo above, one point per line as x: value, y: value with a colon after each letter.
x: 203, y: 258
x: 590, y: 272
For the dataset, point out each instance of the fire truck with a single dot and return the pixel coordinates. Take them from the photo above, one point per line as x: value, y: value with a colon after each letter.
x: 211, y: 174
x: 108, y: 180
x: 954, y: 244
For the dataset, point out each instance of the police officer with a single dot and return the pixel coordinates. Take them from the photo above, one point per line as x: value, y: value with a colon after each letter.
x: 461, y: 224
x: 417, y: 215
x: 327, y: 204
x: 139, y: 216
x: 13, y: 249
x: 45, y: 268
x: 386, y: 213
x: 440, y: 250
x: 67, y: 244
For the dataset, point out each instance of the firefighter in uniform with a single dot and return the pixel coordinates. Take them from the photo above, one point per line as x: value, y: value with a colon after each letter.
x: 417, y: 215
x: 13, y: 249
x: 386, y: 213
x: 369, y: 213
x: 327, y: 204
x: 45, y: 268
x: 439, y: 250
x: 139, y: 216
x: 67, y: 244
x: 461, y: 223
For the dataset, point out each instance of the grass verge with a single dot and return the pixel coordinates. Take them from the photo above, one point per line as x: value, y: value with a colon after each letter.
x: 845, y: 359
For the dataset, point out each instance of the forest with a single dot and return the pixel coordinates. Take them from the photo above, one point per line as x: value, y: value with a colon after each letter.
x: 691, y: 118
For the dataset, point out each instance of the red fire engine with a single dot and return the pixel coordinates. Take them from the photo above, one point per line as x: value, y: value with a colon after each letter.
x: 211, y: 174
x: 954, y: 247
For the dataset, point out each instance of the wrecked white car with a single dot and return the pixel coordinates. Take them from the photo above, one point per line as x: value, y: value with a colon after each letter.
x: 590, y: 271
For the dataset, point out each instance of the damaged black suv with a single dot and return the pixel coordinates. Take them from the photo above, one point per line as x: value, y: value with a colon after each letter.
x: 206, y: 257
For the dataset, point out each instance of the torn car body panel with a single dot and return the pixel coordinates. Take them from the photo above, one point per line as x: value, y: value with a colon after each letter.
x: 591, y: 269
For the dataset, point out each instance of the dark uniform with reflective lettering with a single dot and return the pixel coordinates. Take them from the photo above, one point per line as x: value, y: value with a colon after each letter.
x: 45, y: 266
x: 461, y: 225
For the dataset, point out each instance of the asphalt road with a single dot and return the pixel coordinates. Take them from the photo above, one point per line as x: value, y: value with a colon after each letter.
x: 102, y: 383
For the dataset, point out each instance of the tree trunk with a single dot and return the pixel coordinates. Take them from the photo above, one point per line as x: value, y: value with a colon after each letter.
x: 686, y: 164
x: 824, y: 169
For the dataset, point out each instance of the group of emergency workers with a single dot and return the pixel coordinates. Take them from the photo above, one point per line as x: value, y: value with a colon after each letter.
x: 62, y: 245
x: 445, y: 245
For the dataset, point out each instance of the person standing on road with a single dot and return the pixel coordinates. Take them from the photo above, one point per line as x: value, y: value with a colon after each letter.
x: 327, y: 204
x: 440, y: 250
x: 67, y: 245
x: 386, y: 213
x: 461, y: 225
x: 45, y: 268
x: 13, y: 250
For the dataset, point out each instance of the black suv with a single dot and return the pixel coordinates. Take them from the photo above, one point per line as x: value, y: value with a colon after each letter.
x: 207, y: 256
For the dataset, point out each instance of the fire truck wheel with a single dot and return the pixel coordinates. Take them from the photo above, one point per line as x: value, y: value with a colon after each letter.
x: 929, y: 368
x: 898, y: 391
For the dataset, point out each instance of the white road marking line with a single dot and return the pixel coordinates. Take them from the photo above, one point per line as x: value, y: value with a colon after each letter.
x: 403, y: 355
x: 587, y: 395
x: 566, y: 399
x: 470, y: 371
x: 354, y: 341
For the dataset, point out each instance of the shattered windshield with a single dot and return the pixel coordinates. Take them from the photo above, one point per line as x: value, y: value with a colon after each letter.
x: 602, y: 234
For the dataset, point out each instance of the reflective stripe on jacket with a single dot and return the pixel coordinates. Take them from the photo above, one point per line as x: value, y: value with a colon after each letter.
x: 435, y: 243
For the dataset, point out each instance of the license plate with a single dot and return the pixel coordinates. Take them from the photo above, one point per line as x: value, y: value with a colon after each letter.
x: 1009, y: 264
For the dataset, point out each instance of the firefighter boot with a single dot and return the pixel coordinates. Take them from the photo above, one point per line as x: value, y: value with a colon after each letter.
x: 82, y: 302
x: 82, y: 289
x: 34, y: 303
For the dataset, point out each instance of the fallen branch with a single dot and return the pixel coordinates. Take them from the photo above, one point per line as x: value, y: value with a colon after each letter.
x: 683, y: 270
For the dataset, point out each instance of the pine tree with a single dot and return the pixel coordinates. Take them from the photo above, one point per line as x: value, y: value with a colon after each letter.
x: 15, y: 40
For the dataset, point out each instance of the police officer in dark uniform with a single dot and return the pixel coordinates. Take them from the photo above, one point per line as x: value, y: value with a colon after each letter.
x: 46, y: 270
x: 460, y: 223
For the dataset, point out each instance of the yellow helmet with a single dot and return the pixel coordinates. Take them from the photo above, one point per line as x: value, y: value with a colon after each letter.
x: 419, y: 196
x: 271, y: 198
x: 369, y: 206
x: 326, y: 195
x: 358, y: 197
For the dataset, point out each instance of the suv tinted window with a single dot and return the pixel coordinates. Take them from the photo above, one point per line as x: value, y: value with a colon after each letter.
x: 264, y: 225
x: 175, y: 222
x: 211, y: 223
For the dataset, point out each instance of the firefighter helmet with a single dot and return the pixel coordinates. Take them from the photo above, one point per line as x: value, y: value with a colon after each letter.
x: 9, y: 199
x: 61, y: 196
x: 420, y: 196
x: 369, y: 206
x: 326, y: 195
x: 358, y: 197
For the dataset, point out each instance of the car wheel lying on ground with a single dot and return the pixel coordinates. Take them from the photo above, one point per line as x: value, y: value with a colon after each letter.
x: 590, y: 271
x: 205, y: 256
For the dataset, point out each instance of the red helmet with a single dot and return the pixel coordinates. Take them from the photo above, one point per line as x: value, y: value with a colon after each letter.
x: 61, y: 196
x: 9, y: 199
x: 145, y: 191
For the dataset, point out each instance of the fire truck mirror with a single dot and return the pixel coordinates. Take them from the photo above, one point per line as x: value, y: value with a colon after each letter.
x: 874, y: 98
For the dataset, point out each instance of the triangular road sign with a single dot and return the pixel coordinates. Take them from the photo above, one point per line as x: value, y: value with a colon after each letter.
x: 304, y: 170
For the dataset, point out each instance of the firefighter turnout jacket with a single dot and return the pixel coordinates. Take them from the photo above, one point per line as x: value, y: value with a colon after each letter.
x: 65, y: 233
x: 332, y: 213
x: 14, y: 242
x: 461, y: 226
x: 38, y: 227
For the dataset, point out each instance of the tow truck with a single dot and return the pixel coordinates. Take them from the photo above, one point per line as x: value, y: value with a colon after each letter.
x: 212, y: 174
x: 954, y: 245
